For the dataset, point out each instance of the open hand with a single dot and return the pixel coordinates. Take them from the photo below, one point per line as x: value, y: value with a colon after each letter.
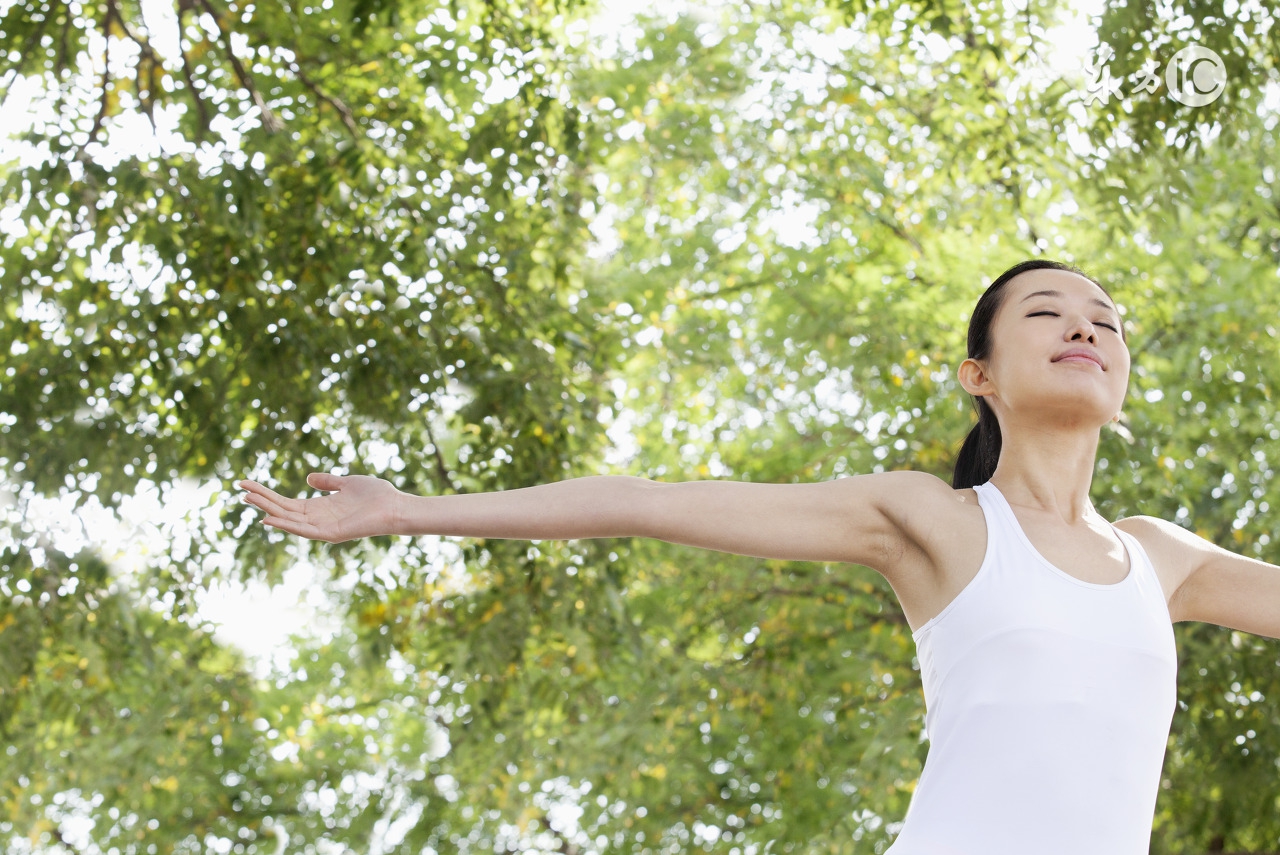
x: 356, y: 506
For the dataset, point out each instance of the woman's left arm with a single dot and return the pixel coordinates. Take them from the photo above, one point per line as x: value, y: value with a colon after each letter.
x: 1209, y: 583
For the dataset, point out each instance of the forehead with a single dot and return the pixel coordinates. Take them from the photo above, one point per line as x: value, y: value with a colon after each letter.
x: 1060, y: 284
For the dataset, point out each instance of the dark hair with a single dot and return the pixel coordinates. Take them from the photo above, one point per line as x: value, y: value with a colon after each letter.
x: 980, y: 453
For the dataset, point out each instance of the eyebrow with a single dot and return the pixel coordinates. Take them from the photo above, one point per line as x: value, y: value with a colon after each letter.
x: 1103, y: 303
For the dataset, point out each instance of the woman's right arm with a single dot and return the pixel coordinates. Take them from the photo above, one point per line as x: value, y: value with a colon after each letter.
x: 861, y: 519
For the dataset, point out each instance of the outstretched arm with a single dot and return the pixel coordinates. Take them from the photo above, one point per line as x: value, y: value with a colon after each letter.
x: 850, y: 519
x: 1212, y: 584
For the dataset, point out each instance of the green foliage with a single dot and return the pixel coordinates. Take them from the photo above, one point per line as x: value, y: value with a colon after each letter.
x: 121, y: 714
x: 1145, y: 34
x: 317, y: 271
x: 469, y: 246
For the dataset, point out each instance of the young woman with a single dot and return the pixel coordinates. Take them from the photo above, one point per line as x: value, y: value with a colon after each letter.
x: 1044, y: 632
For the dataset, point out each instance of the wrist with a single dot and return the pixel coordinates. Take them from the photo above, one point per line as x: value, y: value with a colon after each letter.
x: 398, y: 514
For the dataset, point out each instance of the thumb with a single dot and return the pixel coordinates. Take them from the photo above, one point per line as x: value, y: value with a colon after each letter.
x: 325, y: 481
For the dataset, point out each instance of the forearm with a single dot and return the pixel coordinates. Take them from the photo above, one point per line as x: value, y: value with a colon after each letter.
x: 596, y: 506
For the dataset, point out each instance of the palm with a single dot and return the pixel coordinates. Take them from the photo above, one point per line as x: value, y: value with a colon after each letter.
x: 356, y: 506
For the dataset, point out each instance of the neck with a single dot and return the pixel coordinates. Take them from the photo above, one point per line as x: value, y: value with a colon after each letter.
x: 1048, y: 469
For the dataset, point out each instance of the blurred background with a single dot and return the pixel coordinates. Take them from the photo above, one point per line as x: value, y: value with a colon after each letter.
x: 482, y: 244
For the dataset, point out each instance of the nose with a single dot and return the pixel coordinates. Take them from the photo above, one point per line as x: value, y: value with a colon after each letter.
x: 1082, y: 329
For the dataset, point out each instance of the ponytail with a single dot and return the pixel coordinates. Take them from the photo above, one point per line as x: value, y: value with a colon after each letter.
x: 980, y: 453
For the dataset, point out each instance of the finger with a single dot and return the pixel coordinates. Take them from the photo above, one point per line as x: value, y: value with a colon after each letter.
x: 325, y: 481
x: 286, y: 525
x: 295, y: 526
x: 256, y: 489
x: 253, y: 488
x: 269, y: 500
x: 276, y: 506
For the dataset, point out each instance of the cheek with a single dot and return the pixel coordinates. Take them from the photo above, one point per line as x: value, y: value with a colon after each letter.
x: 1122, y: 370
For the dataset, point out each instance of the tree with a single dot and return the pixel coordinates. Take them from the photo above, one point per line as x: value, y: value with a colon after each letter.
x: 297, y: 268
x: 471, y: 246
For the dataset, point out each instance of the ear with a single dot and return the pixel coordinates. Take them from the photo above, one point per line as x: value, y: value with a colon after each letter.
x: 973, y: 377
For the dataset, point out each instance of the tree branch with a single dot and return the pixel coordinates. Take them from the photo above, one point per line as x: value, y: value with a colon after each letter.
x: 269, y: 119
x: 348, y: 118
x: 442, y: 469
x: 106, y: 68
x: 148, y: 60
x: 188, y: 77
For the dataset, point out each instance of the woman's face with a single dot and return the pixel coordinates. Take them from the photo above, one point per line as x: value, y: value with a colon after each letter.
x: 1057, y: 352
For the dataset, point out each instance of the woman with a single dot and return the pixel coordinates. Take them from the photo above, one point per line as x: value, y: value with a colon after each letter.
x: 1044, y: 633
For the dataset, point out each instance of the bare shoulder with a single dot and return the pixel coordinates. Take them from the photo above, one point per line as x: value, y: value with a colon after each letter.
x: 1161, y: 536
x: 908, y: 498
x: 1174, y: 551
x: 930, y: 532
x: 910, y: 494
x: 932, y: 538
x: 908, y: 485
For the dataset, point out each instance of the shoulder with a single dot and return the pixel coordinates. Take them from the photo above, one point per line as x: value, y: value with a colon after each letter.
x: 927, y: 522
x: 1215, y: 585
x: 934, y: 537
x: 1174, y: 551
x: 1161, y: 536
x: 907, y: 484
x: 907, y: 496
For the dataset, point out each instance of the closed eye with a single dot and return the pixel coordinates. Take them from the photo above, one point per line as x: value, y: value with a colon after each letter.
x: 1106, y: 324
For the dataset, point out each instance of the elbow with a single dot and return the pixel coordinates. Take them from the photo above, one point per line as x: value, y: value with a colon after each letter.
x: 644, y: 507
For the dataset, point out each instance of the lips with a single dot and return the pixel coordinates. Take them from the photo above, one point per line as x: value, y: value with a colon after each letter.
x: 1080, y: 354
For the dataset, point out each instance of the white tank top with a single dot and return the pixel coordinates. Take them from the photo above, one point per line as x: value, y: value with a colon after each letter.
x: 1048, y: 704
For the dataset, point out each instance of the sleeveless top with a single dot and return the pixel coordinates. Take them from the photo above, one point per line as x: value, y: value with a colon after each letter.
x: 1048, y: 706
